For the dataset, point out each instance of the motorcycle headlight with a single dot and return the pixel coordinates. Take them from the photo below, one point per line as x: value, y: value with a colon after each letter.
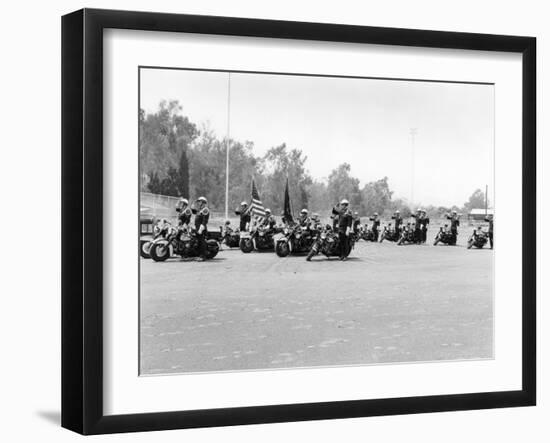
x: 323, y: 235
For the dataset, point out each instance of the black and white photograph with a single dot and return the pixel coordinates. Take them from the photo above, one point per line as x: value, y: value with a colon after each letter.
x: 292, y: 220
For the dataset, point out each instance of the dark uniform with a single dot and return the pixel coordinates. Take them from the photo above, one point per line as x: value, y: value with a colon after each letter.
x: 356, y: 224
x: 245, y: 218
x: 304, y: 221
x: 201, y: 218
x: 455, y: 223
x: 424, y: 221
x: 490, y: 219
x: 184, y: 216
x: 417, y: 227
x: 334, y: 221
x: 269, y: 221
x: 398, y: 222
x: 375, y: 226
x: 345, y: 220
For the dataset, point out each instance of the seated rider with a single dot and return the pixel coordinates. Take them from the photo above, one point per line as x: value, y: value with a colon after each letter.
x: 304, y: 219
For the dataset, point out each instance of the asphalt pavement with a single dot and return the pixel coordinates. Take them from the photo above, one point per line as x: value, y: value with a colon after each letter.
x: 386, y: 304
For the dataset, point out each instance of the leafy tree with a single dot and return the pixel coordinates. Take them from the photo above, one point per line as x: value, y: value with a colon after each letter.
x: 376, y: 197
x: 476, y: 200
x: 342, y: 185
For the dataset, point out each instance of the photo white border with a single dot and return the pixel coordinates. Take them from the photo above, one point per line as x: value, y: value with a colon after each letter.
x: 125, y: 392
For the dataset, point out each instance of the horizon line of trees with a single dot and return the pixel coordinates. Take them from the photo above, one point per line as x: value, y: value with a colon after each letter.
x: 178, y: 159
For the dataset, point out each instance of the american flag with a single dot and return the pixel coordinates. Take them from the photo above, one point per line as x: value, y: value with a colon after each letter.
x: 256, y: 206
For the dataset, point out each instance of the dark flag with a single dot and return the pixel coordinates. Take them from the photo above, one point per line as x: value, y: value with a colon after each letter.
x: 287, y: 212
x: 256, y: 206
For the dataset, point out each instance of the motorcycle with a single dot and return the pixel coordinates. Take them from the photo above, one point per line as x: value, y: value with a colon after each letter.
x: 327, y: 243
x: 367, y: 234
x: 160, y: 230
x: 182, y: 242
x: 295, y: 239
x: 445, y: 236
x: 408, y: 235
x: 389, y: 234
x: 478, y: 239
x: 230, y: 238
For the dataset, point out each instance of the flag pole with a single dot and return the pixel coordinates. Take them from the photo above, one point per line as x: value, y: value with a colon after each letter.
x: 227, y: 146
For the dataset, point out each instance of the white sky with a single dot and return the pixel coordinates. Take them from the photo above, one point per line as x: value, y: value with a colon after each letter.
x: 364, y: 122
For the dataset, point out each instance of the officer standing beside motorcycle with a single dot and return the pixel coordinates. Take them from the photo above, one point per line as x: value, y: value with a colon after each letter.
x: 417, y: 225
x: 244, y: 214
x: 398, y: 220
x: 375, y: 225
x: 424, y: 221
x: 202, y: 214
x: 491, y: 220
x: 345, y: 221
x: 184, y: 212
x: 455, y: 223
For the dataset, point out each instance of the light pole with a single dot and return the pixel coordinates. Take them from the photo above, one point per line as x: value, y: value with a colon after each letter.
x: 412, y: 132
x: 227, y: 146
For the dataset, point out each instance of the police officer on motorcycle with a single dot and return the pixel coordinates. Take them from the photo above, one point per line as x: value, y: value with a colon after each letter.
x: 202, y: 214
x: 398, y: 221
x: 184, y: 212
x: 244, y: 213
x: 424, y: 221
x: 268, y: 221
x: 375, y: 225
x: 345, y: 221
x: 304, y: 219
x: 417, y: 225
x: 455, y: 223
x: 356, y: 223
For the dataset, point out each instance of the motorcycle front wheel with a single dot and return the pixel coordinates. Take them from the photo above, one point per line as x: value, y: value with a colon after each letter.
x: 160, y: 251
x: 282, y: 249
x: 311, y: 253
x: 212, y: 251
x: 246, y: 245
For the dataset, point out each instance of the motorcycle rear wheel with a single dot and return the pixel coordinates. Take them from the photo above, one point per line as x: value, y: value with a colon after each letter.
x: 145, y: 248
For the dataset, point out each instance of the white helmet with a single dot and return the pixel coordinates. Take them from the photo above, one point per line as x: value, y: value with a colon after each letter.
x: 184, y: 201
x: 304, y: 211
x: 344, y: 202
x: 202, y: 199
x: 268, y: 211
x: 244, y: 204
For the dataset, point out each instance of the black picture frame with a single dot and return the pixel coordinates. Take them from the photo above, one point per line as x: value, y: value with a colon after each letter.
x: 82, y: 215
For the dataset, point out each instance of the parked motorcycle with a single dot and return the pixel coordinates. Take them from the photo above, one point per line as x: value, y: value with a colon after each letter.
x: 229, y: 237
x: 160, y: 230
x: 327, y: 243
x: 408, y: 235
x: 478, y: 239
x: 445, y: 236
x: 295, y: 239
x: 389, y: 234
x: 366, y: 234
x: 182, y: 242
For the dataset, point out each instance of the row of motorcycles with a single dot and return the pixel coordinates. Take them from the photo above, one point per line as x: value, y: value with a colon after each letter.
x: 478, y: 239
x: 169, y: 240
x: 287, y: 240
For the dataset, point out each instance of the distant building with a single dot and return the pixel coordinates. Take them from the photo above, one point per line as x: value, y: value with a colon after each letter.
x: 477, y: 214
